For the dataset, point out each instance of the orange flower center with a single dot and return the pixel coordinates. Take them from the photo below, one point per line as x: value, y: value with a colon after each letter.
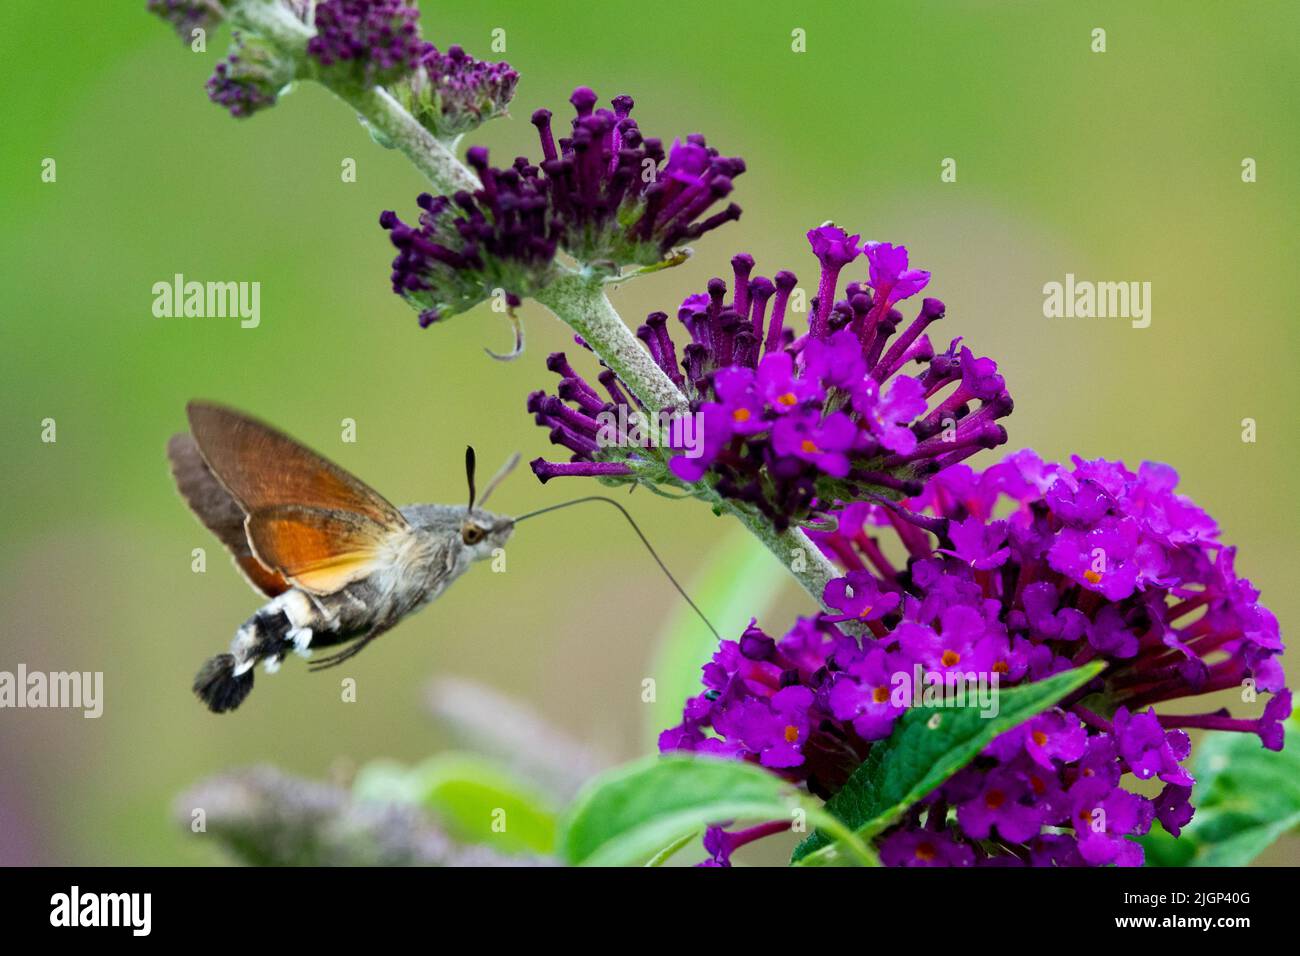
x: 741, y: 414
x: 864, y: 612
x: 791, y: 733
x: 1091, y: 576
x: 787, y: 399
x: 809, y: 446
x: 1040, y: 738
x: 1001, y: 667
x: 994, y: 799
x: 925, y: 852
x: 880, y: 695
x: 950, y: 659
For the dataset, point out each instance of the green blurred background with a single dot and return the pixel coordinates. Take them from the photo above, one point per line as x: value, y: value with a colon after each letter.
x: 1117, y: 166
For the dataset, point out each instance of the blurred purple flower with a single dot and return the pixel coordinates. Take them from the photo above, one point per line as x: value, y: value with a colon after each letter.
x: 606, y: 197
x: 186, y: 16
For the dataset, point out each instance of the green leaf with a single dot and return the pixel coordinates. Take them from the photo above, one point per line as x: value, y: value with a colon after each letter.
x: 629, y: 815
x: 1245, y: 798
x: 929, y: 745
x: 740, y: 581
x: 667, y: 853
x: 477, y: 800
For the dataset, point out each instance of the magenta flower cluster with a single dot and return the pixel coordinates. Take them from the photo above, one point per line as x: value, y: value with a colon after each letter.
x: 790, y: 423
x: 1090, y: 562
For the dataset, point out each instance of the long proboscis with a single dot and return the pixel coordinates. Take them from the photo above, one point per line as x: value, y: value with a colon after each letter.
x: 644, y: 540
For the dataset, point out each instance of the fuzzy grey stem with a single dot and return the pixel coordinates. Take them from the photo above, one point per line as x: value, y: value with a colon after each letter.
x: 793, y: 548
x: 439, y: 165
x: 580, y: 302
x: 275, y: 22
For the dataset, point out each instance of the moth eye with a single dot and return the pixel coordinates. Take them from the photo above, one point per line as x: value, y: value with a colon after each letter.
x: 471, y: 534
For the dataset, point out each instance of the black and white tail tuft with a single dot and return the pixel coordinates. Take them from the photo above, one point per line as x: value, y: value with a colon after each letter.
x: 217, y: 685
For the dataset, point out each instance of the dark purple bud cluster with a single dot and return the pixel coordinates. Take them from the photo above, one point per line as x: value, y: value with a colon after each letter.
x: 250, y: 78
x: 452, y: 93
x: 376, y: 42
x: 601, y: 196
x: 500, y: 239
x: 186, y: 16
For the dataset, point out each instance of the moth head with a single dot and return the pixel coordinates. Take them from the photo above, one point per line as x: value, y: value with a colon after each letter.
x: 482, y: 531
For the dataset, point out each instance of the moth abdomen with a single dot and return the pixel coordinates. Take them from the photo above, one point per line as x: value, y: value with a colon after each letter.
x: 219, y: 687
x: 270, y: 628
x: 225, y: 680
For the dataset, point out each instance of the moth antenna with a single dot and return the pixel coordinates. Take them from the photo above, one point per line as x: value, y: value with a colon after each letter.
x: 499, y: 477
x: 469, y: 474
x: 644, y: 540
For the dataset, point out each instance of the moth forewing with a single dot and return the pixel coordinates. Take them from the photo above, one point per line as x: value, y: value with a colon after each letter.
x: 264, y: 468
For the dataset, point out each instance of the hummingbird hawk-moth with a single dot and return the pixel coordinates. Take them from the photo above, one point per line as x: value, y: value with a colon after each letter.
x: 338, y: 563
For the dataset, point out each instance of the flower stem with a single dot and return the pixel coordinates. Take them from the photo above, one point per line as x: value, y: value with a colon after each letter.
x: 384, y: 114
x: 812, y: 569
x: 273, y: 21
x: 579, y: 301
